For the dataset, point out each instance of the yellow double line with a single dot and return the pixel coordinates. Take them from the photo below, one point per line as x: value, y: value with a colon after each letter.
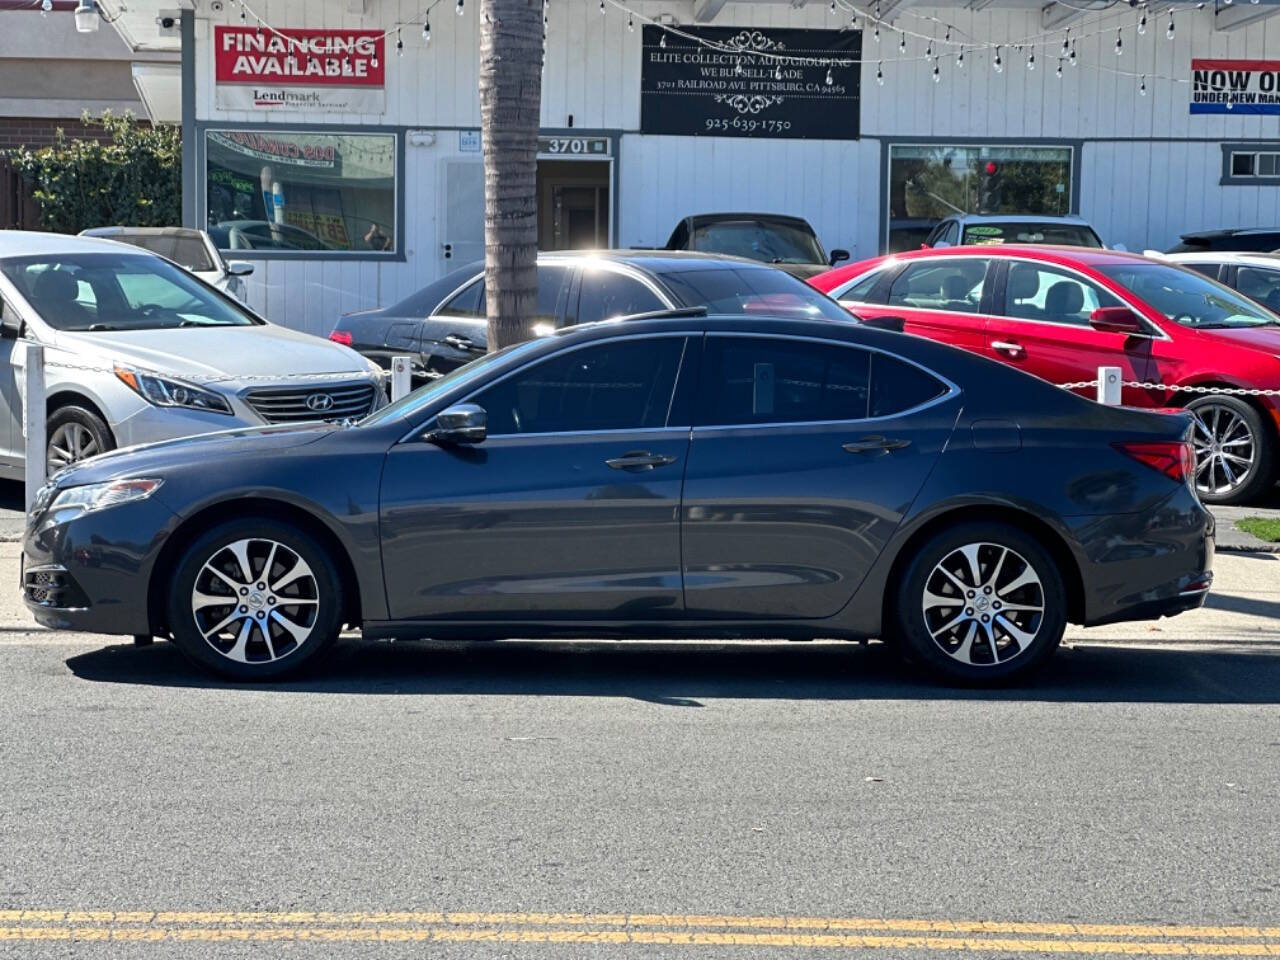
x: 831, y: 933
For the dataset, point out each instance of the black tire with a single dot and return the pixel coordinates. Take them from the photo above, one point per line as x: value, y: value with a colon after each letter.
x: 1004, y: 554
x: 1260, y: 475
x: 68, y: 420
x: 262, y: 658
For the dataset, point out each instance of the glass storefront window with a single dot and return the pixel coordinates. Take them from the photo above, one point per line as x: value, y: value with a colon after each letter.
x: 275, y: 190
x: 929, y: 181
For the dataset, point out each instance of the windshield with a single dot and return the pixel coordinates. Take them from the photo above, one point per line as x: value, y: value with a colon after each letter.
x: 186, y: 250
x: 755, y: 291
x: 1061, y: 234
x: 1189, y: 298
x: 767, y: 241
x: 423, y: 396
x: 118, y: 291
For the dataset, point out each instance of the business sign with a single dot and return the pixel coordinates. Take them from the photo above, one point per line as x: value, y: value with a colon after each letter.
x: 324, y: 71
x: 755, y: 82
x: 1235, y: 86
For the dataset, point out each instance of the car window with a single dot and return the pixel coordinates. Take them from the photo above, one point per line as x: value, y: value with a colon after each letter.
x: 467, y: 302
x: 1037, y: 292
x: 679, y: 239
x: 608, y: 293
x: 935, y: 234
x: 423, y: 301
x: 1210, y: 270
x: 758, y: 380
x: 184, y: 250
x: 953, y: 285
x: 1188, y: 298
x: 1261, y: 284
x: 860, y: 289
x: 550, y: 281
x: 769, y: 241
x: 898, y: 386
x: 753, y: 291
x: 143, y: 290
x: 1062, y: 234
x: 622, y: 385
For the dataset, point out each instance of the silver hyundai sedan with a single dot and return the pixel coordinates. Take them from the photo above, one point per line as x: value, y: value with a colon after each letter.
x: 139, y: 350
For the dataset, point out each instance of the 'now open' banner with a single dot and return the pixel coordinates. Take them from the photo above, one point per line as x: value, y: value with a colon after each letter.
x: 1235, y: 86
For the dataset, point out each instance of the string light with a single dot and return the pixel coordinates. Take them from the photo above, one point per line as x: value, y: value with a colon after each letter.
x: 960, y: 60
x: 1142, y: 90
x: 833, y: 6
x: 45, y: 7
x: 902, y: 44
x: 426, y: 33
x: 1119, y: 43
x: 879, y: 74
x: 1031, y: 59
x: 1065, y: 38
x: 947, y: 38
x: 399, y: 44
x: 602, y: 9
x: 631, y: 24
x: 1142, y: 24
x: 1058, y: 73
x: 928, y: 50
x: 244, y: 14
x: 1072, y: 58
x: 998, y: 64
x: 458, y: 8
x: 937, y: 77
x: 876, y: 35
x: 1169, y: 33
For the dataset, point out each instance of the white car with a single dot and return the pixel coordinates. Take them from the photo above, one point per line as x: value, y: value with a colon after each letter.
x: 187, y: 247
x: 138, y: 350
x: 1256, y: 275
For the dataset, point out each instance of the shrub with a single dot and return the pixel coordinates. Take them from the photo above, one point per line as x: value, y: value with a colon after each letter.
x: 132, y: 178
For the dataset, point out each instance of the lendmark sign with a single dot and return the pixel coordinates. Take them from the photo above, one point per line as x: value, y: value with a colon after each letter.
x: 327, y: 71
x: 1235, y: 86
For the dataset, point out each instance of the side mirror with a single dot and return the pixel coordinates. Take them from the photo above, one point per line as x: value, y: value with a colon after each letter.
x: 239, y: 268
x: 895, y: 324
x: 10, y: 323
x: 941, y: 244
x: 837, y: 255
x: 463, y: 423
x: 1115, y: 320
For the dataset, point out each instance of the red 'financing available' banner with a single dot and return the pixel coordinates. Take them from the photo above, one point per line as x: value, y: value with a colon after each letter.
x: 324, y: 70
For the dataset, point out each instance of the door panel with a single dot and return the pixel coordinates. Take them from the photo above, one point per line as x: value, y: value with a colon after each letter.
x: 521, y: 525
x: 1045, y: 331
x: 784, y: 520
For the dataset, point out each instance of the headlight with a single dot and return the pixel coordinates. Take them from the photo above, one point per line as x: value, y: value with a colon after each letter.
x: 99, y: 496
x: 163, y: 392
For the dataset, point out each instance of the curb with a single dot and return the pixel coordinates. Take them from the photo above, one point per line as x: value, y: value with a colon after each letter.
x: 1247, y: 548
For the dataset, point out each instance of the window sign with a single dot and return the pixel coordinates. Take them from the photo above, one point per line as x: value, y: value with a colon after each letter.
x: 277, y: 190
x: 756, y: 82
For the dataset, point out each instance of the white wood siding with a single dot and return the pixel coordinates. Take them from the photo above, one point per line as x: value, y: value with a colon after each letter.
x: 1148, y: 169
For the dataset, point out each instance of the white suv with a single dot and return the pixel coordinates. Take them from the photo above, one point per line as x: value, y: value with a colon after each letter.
x: 138, y: 350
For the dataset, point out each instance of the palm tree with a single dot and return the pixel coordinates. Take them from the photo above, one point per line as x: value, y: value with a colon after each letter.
x: 510, y: 107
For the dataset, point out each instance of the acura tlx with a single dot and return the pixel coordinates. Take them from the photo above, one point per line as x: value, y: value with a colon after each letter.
x: 670, y: 476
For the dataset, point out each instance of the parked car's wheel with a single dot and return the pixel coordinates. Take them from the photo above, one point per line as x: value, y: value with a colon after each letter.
x: 254, y: 600
x: 981, y: 603
x: 1235, y: 451
x: 74, y: 433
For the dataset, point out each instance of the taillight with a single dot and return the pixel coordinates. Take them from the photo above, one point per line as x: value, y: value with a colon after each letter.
x: 1174, y: 458
x: 342, y: 336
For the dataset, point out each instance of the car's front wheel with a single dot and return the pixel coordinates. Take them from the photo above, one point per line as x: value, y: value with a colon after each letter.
x: 73, y: 434
x: 981, y: 603
x: 254, y: 600
x: 1235, y: 452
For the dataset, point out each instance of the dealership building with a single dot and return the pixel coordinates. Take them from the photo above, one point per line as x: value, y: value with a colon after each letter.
x: 337, y: 147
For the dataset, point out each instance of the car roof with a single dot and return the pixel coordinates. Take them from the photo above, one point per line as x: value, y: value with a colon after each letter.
x: 1090, y: 256
x: 118, y: 231
x: 1019, y: 218
x: 779, y: 217
x: 655, y: 261
x: 1220, y: 256
x: 1227, y: 232
x: 26, y: 243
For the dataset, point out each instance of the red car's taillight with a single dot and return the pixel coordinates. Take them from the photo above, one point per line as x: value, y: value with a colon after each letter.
x: 342, y: 337
x: 1174, y: 458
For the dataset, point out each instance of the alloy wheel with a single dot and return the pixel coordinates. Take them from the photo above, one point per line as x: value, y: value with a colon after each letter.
x: 1225, y: 449
x: 255, y: 601
x: 983, y: 604
x: 69, y: 443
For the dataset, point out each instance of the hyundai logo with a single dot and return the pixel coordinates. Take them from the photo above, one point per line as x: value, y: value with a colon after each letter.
x: 319, y: 402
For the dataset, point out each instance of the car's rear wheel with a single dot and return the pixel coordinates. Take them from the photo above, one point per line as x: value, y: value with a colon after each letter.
x: 981, y: 603
x: 1235, y: 451
x: 74, y: 434
x: 254, y: 600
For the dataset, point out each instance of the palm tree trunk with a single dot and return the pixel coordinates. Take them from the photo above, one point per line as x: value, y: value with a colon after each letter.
x: 510, y: 107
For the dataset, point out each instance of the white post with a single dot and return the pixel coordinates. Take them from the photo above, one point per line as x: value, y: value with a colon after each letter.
x: 1109, y: 386
x: 401, y: 377
x: 33, y: 418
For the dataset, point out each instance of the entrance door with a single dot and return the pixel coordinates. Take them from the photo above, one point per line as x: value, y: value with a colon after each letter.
x: 573, y: 204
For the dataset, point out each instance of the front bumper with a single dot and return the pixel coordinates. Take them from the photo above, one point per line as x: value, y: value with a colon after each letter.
x: 92, y: 571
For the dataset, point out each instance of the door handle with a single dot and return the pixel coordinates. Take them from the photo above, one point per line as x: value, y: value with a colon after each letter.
x: 1008, y: 346
x: 462, y: 343
x: 876, y: 444
x: 639, y: 460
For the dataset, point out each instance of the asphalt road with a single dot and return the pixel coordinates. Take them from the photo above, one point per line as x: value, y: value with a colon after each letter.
x: 612, y: 799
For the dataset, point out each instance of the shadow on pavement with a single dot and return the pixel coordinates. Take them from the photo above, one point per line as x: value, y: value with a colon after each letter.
x: 683, y: 674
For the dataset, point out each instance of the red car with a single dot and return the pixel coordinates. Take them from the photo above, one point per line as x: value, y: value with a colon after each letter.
x: 1062, y: 312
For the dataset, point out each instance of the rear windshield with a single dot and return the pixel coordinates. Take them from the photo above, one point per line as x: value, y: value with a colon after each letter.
x: 754, y: 291
x: 188, y: 251
x: 1063, y: 234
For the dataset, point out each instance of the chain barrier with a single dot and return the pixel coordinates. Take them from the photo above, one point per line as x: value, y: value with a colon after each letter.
x: 1173, y: 388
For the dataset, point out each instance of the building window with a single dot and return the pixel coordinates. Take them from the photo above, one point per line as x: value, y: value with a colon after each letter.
x: 1255, y: 164
x: 930, y: 181
x: 296, y: 192
x: 1250, y: 164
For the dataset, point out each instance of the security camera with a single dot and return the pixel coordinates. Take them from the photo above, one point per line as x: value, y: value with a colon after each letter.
x: 169, y: 22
